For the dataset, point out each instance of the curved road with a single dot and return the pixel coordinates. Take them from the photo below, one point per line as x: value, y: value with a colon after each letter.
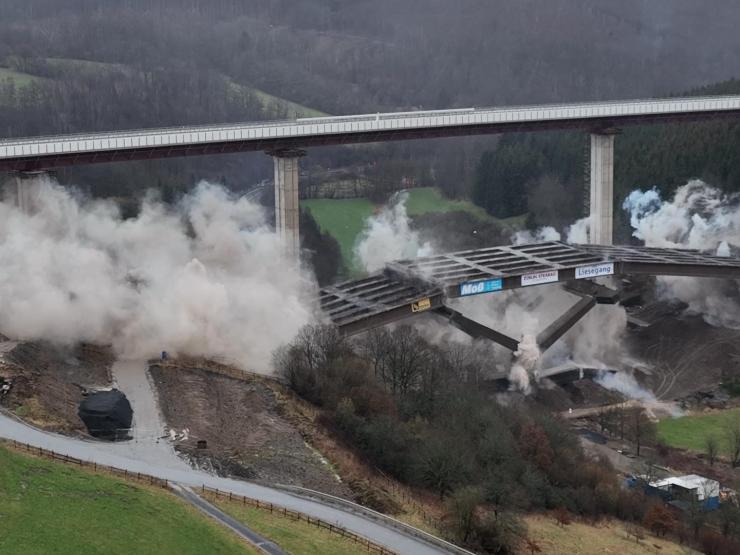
x: 121, y: 455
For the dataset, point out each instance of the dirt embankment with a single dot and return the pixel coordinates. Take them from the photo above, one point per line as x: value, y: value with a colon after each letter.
x: 243, y: 424
x: 687, y: 355
x: 48, y: 382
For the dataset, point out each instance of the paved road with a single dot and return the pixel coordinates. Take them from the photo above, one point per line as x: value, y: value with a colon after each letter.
x: 148, y: 427
x: 214, y: 512
x: 123, y: 456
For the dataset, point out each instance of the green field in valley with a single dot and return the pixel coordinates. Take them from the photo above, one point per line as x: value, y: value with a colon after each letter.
x: 344, y: 219
x: 691, y: 432
x: 296, y: 537
x: 18, y: 78
x: 429, y: 199
x: 48, y: 507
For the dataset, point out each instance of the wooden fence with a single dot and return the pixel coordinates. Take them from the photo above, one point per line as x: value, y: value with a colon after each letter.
x: 366, y: 544
x: 294, y: 515
x: 45, y: 453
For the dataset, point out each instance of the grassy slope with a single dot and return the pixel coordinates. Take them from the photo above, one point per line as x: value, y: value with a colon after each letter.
x: 294, y: 109
x: 429, y: 199
x: 690, y: 432
x: 48, y: 507
x: 582, y: 539
x: 298, y: 538
x: 20, y: 79
x: 267, y: 99
x: 345, y: 219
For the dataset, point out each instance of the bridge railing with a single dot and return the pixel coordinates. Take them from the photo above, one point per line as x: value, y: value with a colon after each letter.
x: 574, y: 110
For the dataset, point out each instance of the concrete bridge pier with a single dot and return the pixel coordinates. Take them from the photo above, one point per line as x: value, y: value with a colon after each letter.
x: 17, y: 188
x: 287, y: 208
x: 602, y: 188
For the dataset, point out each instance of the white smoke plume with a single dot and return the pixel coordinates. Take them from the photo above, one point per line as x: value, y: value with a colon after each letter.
x: 521, y: 313
x: 625, y: 384
x: 541, y: 235
x: 388, y: 236
x: 526, y: 358
x: 574, y: 234
x: 578, y: 232
x: 207, y: 278
x: 698, y: 217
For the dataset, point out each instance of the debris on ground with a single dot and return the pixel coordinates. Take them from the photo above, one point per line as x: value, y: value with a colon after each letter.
x: 235, y: 427
x: 49, y: 382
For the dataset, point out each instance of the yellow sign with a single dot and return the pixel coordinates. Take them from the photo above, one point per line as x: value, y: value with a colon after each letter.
x: 422, y: 305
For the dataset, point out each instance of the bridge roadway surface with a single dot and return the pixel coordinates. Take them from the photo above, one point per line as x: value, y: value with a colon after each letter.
x: 40, y: 153
x: 409, y: 287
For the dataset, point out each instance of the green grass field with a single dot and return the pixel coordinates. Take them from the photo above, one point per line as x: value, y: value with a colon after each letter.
x: 294, y: 109
x: 691, y: 432
x: 18, y: 78
x: 48, y: 507
x: 344, y: 219
x: 297, y: 538
x: 429, y: 199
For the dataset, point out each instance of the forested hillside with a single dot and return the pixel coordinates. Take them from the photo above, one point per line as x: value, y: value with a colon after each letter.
x: 81, y: 65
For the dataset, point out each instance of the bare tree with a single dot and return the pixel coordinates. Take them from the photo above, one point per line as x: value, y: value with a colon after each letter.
x: 732, y: 431
x: 712, y: 447
x: 640, y: 428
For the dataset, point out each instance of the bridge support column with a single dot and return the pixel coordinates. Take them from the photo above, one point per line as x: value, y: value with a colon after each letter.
x: 602, y: 188
x: 18, y: 189
x: 287, y: 207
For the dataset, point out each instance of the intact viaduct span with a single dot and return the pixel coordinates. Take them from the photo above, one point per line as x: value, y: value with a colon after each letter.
x: 285, y: 141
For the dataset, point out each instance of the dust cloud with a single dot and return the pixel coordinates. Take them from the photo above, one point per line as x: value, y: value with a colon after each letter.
x: 388, y: 236
x: 698, y: 216
x: 521, y: 313
x: 206, y: 277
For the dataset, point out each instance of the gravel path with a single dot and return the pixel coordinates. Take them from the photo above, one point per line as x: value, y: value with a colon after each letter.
x: 148, y: 441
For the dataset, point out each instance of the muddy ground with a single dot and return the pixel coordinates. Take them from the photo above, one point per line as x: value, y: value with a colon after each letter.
x: 686, y: 354
x: 242, y: 422
x: 48, y: 382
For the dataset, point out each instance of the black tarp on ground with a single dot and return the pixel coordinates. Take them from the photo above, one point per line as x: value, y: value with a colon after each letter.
x: 107, y: 414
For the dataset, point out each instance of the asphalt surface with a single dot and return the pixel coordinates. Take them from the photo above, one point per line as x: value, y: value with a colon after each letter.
x: 143, y: 456
x: 214, y: 512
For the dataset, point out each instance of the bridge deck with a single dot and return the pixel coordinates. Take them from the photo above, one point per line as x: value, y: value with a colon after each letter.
x: 36, y: 153
x: 409, y: 287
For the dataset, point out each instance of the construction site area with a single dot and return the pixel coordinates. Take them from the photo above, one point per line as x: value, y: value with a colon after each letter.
x: 252, y: 426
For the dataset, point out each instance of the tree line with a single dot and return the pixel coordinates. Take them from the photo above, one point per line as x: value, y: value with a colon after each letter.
x: 420, y: 412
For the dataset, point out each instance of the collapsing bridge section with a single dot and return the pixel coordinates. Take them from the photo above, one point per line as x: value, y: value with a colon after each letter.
x: 411, y: 287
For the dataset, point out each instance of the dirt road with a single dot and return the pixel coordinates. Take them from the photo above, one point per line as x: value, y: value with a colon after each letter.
x: 148, y: 430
